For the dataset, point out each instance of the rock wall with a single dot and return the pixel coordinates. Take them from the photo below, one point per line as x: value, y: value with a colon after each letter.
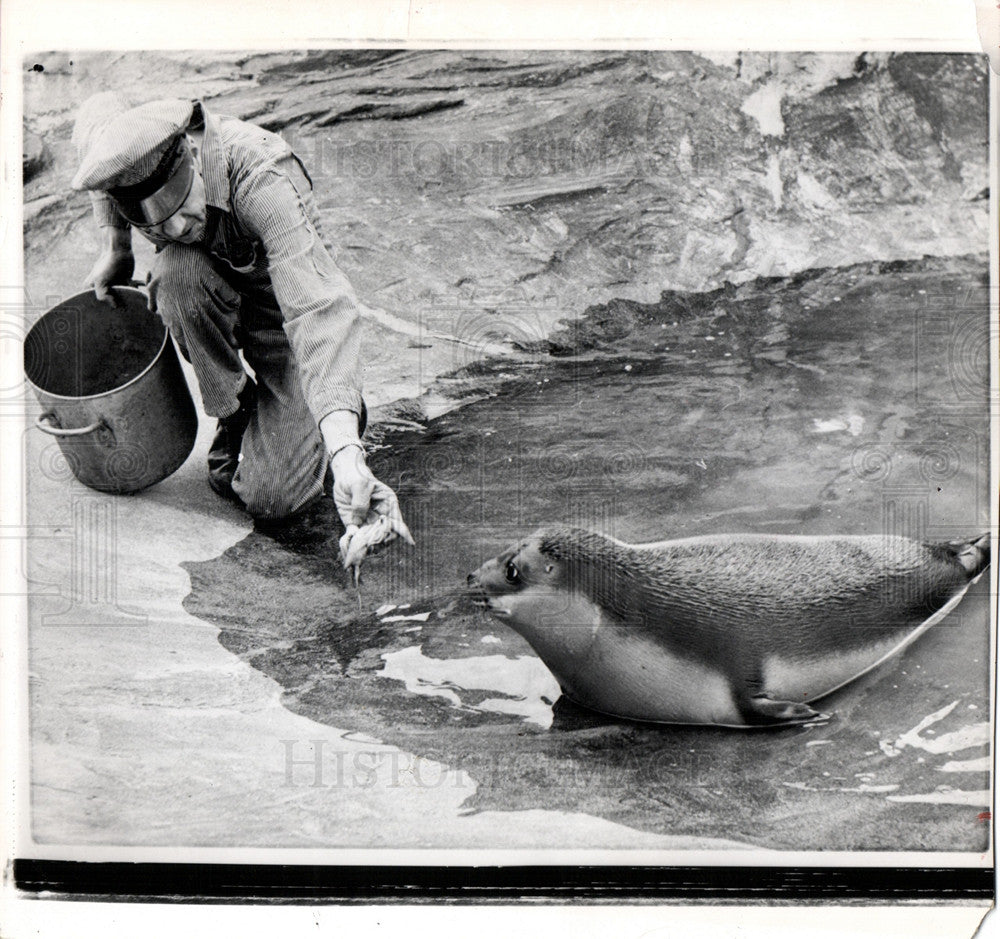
x: 483, y: 196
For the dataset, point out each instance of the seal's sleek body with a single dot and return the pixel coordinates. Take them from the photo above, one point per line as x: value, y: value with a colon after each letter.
x: 734, y: 630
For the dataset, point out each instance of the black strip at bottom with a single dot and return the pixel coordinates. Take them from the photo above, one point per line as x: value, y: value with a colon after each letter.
x: 127, y: 881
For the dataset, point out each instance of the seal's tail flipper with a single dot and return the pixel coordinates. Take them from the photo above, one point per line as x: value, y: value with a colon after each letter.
x: 973, y: 555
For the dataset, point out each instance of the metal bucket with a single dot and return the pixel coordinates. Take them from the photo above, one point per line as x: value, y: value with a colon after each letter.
x: 113, y: 391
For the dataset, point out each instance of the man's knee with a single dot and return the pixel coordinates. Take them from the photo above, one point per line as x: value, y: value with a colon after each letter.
x: 185, y: 282
x: 270, y: 499
x: 264, y: 505
x: 181, y: 268
x: 272, y: 507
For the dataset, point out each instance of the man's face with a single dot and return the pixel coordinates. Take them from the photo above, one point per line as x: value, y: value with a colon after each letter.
x: 170, y: 204
x: 187, y: 224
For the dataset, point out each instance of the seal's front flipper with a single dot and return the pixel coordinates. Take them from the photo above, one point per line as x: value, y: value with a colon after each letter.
x: 761, y: 709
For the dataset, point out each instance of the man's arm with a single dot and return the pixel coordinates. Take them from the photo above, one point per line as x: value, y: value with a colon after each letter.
x: 323, y: 326
x: 321, y: 315
x: 340, y: 431
x: 116, y: 263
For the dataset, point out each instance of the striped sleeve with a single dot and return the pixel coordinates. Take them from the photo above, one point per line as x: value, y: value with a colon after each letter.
x: 318, y: 304
x: 105, y: 213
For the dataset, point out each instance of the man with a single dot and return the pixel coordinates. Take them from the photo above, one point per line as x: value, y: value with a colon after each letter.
x: 240, y: 267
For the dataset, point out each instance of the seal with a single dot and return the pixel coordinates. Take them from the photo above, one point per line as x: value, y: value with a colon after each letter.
x: 733, y: 630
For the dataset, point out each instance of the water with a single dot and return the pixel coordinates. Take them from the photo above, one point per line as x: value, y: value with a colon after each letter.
x: 849, y: 401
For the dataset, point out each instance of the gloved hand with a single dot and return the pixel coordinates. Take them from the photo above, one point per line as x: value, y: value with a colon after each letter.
x: 368, y: 507
x: 114, y: 268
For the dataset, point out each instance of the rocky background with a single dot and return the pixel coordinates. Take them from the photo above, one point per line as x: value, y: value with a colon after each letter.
x: 477, y: 198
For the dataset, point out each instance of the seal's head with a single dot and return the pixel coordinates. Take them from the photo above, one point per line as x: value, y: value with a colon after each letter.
x: 546, y: 580
x: 557, y: 588
x: 523, y: 575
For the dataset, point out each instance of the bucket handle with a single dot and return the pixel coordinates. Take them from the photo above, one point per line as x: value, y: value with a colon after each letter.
x: 56, y: 431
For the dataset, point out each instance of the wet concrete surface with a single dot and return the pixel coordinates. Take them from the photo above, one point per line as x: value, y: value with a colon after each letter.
x: 848, y: 401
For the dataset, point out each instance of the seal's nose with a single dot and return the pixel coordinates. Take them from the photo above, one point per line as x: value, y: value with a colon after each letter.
x: 472, y: 580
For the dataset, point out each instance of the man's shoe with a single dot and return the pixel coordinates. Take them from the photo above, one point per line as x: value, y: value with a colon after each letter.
x: 224, y: 454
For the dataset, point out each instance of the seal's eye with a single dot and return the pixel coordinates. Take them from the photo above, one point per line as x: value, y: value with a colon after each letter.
x: 512, y: 574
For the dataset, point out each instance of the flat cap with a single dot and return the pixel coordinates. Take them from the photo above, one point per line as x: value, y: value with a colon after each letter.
x: 123, y: 147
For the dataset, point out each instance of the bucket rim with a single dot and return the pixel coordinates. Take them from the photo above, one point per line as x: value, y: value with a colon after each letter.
x: 111, y: 391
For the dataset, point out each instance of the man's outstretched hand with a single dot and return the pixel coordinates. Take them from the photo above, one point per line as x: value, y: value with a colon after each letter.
x: 368, y: 508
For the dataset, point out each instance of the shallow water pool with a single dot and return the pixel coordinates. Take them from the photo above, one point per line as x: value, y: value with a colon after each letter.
x: 844, y: 401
